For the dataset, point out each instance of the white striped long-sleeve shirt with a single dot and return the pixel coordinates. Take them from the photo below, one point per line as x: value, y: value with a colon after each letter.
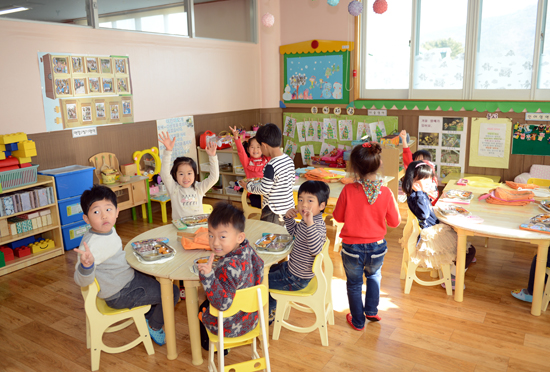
x: 276, y: 184
x: 308, y: 243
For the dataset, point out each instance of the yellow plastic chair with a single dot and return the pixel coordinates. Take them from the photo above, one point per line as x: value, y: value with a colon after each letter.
x: 539, y: 181
x: 100, y: 317
x: 247, y: 208
x: 317, y: 298
x: 337, y: 239
x: 409, y: 268
x: 546, y: 295
x: 247, y: 300
x: 207, y: 208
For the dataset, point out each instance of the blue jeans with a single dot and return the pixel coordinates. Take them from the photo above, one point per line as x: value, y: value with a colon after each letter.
x: 367, y: 258
x: 281, y: 278
x: 142, y: 290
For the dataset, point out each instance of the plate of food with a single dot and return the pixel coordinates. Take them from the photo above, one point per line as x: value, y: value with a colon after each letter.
x: 199, y: 219
x: 195, y: 267
x: 459, y: 194
x: 154, y: 252
x: 274, y: 243
x: 545, y: 205
x: 541, y: 219
x: 453, y: 210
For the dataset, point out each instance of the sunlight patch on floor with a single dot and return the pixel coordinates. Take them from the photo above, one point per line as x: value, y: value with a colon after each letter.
x: 340, y: 297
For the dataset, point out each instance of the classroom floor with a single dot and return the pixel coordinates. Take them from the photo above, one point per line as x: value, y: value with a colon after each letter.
x: 42, y: 322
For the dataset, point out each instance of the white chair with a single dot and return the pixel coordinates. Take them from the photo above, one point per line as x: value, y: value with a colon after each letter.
x: 100, y: 318
x: 247, y: 300
x: 409, y: 268
x: 315, y: 298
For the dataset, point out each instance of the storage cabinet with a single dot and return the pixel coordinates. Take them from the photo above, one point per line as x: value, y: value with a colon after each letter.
x: 52, y: 231
x: 392, y: 164
x: 227, y: 156
x: 133, y: 193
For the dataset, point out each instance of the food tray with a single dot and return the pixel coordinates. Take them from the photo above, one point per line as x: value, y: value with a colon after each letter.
x: 459, y: 194
x: 453, y: 210
x: 154, y: 252
x: 274, y: 243
x: 541, y: 219
x: 148, y: 242
x: 545, y: 205
x: 195, y: 267
x: 199, y: 219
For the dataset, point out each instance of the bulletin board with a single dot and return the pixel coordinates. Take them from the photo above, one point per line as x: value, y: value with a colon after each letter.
x: 390, y: 124
x: 490, y: 143
x: 316, y: 71
x: 531, y: 139
x: 184, y: 129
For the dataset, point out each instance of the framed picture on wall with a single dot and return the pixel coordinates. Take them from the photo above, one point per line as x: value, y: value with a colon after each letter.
x: 105, y: 65
x: 91, y: 65
x: 71, y: 113
x: 107, y: 85
x: 114, y: 111
x: 93, y: 85
x: 77, y: 65
x: 99, y: 110
x: 126, y: 107
x: 63, y: 87
x: 86, y: 113
x: 79, y: 86
x: 121, y: 65
x: 122, y: 85
x: 60, y: 64
x: 313, y: 78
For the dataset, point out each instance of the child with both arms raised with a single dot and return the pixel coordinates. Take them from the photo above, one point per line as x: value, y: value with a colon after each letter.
x: 101, y: 257
x: 310, y: 235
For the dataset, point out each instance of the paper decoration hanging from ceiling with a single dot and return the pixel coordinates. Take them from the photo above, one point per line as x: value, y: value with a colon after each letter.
x: 333, y: 2
x: 380, y: 6
x: 268, y: 20
x: 355, y: 8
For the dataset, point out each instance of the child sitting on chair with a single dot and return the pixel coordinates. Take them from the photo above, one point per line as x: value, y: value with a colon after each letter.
x: 238, y: 267
x: 101, y: 257
x: 310, y: 235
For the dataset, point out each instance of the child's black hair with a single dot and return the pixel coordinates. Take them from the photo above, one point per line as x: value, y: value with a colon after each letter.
x: 96, y: 193
x: 318, y: 188
x: 426, y: 155
x: 225, y: 213
x: 365, y: 159
x: 270, y: 134
x: 184, y: 160
x: 415, y: 172
x: 246, y: 145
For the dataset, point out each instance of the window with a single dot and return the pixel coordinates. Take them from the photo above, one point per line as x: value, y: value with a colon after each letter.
x: 459, y: 49
x: 227, y: 20
x: 59, y: 11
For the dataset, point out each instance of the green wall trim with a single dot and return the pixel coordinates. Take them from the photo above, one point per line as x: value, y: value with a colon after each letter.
x: 480, y: 106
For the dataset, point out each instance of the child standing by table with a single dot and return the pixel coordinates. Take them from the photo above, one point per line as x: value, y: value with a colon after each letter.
x: 239, y: 267
x: 253, y: 162
x: 437, y: 241
x: 365, y: 207
x: 276, y: 183
x: 101, y: 257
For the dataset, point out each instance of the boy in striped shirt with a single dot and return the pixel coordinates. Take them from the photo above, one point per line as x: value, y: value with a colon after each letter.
x: 276, y: 184
x: 309, y: 237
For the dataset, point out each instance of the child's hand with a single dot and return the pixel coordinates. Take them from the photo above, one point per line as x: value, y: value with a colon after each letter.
x: 206, y: 268
x: 308, y: 217
x: 164, y: 138
x: 243, y: 183
x: 403, y: 135
x: 291, y: 213
x: 417, y: 186
x: 235, y: 132
x: 211, y: 148
x: 86, y: 257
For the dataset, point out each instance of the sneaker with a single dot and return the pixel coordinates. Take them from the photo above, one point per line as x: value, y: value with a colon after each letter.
x: 182, y: 293
x: 373, y: 318
x: 523, y: 295
x: 348, y: 318
x: 158, y: 336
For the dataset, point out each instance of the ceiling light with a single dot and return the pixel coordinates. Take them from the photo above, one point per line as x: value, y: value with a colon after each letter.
x: 12, y: 9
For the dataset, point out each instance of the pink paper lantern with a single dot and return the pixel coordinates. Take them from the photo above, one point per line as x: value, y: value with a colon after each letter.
x: 380, y: 6
x: 268, y: 19
x: 355, y: 8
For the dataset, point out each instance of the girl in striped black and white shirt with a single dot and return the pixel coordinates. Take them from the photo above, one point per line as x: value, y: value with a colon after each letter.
x: 310, y: 235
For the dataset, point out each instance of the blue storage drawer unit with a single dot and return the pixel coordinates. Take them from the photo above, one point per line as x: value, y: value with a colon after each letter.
x: 70, y: 210
x: 72, y: 180
x: 72, y: 234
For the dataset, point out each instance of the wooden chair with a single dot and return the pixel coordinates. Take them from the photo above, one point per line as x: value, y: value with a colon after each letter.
x: 247, y: 208
x: 317, y: 298
x: 107, y: 159
x: 539, y: 181
x: 100, y: 318
x: 409, y: 268
x: 248, y: 300
x: 546, y: 295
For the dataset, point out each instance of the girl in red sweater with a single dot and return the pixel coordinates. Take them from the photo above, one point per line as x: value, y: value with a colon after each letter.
x: 253, y: 162
x: 365, y: 207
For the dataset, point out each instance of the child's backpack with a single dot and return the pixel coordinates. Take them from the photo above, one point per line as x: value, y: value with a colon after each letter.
x: 504, y: 196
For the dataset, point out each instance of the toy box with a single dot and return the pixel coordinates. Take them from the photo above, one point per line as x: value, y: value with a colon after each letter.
x: 70, y: 210
x: 72, y: 180
x: 72, y: 234
x: 129, y: 169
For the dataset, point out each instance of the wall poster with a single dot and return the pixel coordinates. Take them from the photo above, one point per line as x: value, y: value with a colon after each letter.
x: 490, y: 142
x: 184, y: 130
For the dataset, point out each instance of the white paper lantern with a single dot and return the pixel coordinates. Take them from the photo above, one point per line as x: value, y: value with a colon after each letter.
x: 355, y: 8
x: 268, y: 19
